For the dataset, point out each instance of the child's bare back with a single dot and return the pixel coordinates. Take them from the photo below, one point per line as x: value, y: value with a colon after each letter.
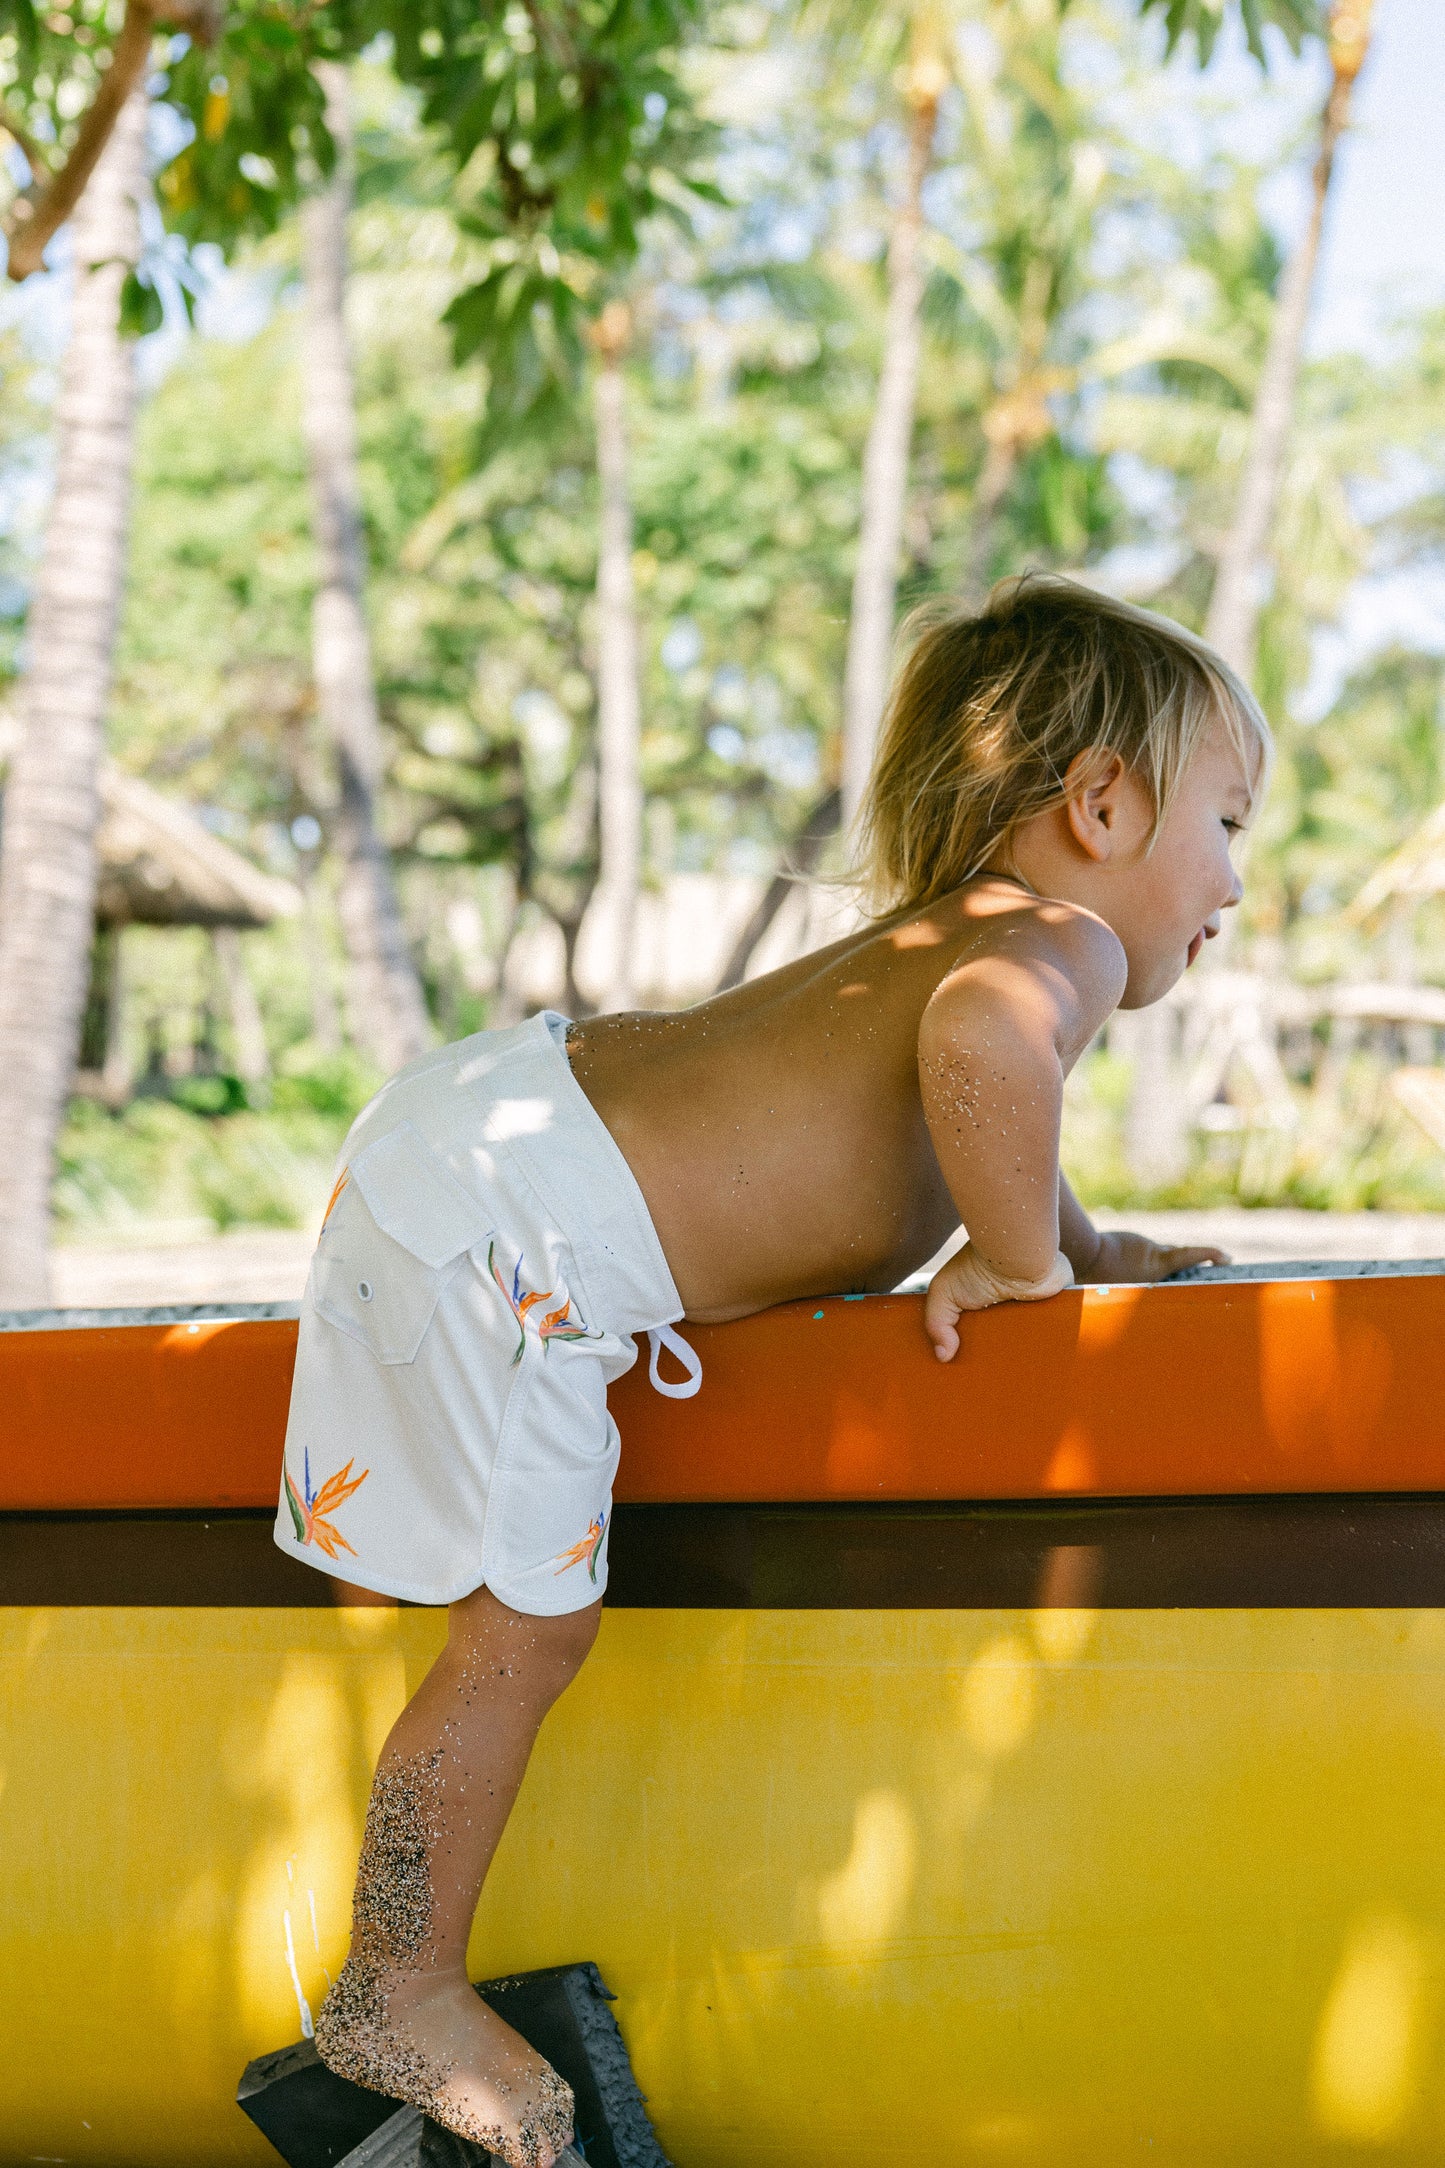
x: 782, y: 1134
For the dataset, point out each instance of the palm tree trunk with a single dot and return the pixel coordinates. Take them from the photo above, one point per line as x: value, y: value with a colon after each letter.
x: 885, y: 463
x: 1240, y: 581
x: 52, y: 802
x: 248, y: 1027
x: 115, y: 1075
x: 388, y: 1013
x: 1017, y: 418
x: 1000, y: 463
x: 325, y: 1015
x: 1156, y: 1120
x: 619, y: 705
x: 816, y: 832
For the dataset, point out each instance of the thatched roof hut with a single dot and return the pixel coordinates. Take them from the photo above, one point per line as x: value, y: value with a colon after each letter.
x: 160, y: 867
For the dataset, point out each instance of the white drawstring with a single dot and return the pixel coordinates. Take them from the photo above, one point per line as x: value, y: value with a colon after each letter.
x: 663, y: 1336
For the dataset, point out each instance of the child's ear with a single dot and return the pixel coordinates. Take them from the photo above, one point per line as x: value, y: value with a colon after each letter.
x: 1095, y: 786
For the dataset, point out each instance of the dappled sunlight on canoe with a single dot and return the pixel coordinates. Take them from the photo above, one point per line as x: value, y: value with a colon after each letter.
x: 915, y: 1816
x: 1367, y: 2071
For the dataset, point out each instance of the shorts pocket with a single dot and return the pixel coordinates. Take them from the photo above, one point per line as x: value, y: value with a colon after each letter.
x: 396, y: 1231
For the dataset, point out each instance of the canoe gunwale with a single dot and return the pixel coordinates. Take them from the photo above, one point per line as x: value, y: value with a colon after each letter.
x: 1227, y: 1388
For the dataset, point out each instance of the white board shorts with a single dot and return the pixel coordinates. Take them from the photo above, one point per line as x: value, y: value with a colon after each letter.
x: 485, y: 1260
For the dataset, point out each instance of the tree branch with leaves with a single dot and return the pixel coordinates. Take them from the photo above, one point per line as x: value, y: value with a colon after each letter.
x: 39, y: 211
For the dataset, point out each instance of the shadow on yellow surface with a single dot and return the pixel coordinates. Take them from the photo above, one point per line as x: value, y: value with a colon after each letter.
x: 1052, y: 1888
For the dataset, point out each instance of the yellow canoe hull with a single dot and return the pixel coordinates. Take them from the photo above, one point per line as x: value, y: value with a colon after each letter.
x: 1060, y: 1888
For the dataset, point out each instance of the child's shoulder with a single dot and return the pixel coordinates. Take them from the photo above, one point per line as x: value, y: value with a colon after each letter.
x: 1042, y: 938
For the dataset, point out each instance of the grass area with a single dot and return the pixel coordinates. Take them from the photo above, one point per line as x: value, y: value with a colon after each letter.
x: 202, y: 1155
x: 1352, y: 1149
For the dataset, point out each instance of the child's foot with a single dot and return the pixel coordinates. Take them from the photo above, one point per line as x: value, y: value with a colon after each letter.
x: 435, y: 2044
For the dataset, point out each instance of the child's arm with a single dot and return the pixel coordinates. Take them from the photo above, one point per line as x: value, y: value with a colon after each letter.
x: 993, y: 1048
x: 1120, y: 1257
x: 1079, y: 1239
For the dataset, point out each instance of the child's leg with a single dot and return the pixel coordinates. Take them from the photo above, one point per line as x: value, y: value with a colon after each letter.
x: 402, y: 2017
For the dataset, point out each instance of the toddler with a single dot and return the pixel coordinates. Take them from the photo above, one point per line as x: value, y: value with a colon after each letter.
x: 1047, y: 838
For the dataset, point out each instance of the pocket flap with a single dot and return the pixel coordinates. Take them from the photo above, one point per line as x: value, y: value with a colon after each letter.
x: 416, y: 1199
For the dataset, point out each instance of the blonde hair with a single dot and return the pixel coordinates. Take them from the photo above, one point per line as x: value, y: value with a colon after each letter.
x: 990, y: 709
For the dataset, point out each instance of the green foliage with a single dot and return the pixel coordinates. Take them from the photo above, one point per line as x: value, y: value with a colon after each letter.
x: 214, y: 669
x: 158, y: 1160
x: 750, y: 389
x: 482, y: 585
x: 254, y: 108
x: 249, y: 104
x: 209, y: 1094
x: 572, y: 126
x: 1353, y: 1150
x: 141, y: 307
x: 1063, y: 508
x: 190, y: 1147
x: 1204, y: 19
x: 745, y: 490
x: 1350, y: 787
x: 334, y: 1085
x: 50, y: 64
x: 1358, y: 784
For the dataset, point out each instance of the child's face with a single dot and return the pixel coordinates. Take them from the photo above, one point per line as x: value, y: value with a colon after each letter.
x: 1166, y: 903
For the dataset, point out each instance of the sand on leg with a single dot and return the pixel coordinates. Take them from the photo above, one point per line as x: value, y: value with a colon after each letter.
x: 402, y: 2017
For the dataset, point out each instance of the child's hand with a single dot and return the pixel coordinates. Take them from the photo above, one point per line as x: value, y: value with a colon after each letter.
x: 970, y: 1282
x: 1123, y: 1258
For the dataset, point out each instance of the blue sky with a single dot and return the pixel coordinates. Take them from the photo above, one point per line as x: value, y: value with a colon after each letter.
x: 1385, y: 246
x: 1385, y: 252
x: 1384, y: 249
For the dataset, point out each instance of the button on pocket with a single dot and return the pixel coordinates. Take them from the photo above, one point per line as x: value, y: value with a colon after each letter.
x: 395, y: 1233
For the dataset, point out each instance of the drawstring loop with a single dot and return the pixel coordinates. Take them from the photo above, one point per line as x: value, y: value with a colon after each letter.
x: 663, y: 1336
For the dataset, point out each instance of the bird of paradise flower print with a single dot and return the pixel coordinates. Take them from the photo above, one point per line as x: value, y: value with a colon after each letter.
x: 556, y: 1325
x: 309, y: 1508
x: 589, y: 1548
x: 341, y: 1181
